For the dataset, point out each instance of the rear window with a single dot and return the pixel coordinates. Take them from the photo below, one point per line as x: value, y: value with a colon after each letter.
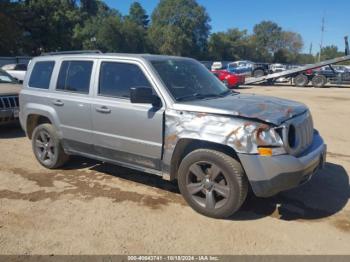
x: 41, y: 74
x: 75, y: 76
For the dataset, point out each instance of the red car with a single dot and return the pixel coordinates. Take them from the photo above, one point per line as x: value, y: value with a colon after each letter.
x: 231, y: 80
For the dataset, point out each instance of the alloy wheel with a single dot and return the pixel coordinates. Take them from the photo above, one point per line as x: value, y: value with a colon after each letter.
x: 45, y: 147
x: 207, y: 184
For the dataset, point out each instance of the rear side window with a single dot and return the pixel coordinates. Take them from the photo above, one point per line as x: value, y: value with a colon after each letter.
x: 116, y: 79
x: 75, y: 76
x: 41, y: 74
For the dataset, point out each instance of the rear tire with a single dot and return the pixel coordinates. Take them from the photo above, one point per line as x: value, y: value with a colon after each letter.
x: 319, y: 81
x: 212, y: 183
x: 47, y: 147
x: 301, y: 80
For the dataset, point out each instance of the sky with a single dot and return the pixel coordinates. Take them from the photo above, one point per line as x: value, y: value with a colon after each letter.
x: 302, y: 16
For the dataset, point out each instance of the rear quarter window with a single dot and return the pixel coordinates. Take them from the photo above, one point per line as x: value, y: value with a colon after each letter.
x: 41, y: 74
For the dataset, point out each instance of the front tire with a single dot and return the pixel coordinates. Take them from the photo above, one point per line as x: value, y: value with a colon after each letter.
x: 47, y: 147
x: 212, y: 183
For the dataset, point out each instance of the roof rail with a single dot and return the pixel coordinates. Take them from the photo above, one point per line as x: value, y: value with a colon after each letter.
x: 76, y: 52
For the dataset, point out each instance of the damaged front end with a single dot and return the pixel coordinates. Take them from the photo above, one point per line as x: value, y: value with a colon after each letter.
x: 242, y: 135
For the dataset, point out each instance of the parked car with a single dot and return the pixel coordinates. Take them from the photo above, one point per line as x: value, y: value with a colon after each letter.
x: 340, y: 68
x: 231, y: 80
x: 277, y: 68
x: 171, y: 117
x: 9, y: 105
x: 248, y: 68
x: 17, y: 71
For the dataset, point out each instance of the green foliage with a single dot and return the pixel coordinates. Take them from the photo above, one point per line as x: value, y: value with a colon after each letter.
x: 231, y: 45
x: 267, y: 37
x: 179, y: 27
x: 274, y: 44
x: 101, y: 32
x: 329, y: 52
x: 138, y: 15
x: 10, y: 31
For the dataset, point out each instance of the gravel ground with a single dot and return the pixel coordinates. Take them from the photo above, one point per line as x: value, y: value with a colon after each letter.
x: 95, y: 208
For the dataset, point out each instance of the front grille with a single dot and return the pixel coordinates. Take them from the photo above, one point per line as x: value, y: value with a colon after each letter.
x: 298, y: 134
x: 7, y: 106
x: 9, y: 102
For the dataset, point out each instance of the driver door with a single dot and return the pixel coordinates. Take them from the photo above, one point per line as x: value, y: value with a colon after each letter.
x: 126, y: 132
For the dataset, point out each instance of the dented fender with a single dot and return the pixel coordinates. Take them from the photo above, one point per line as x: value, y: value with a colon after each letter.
x: 242, y: 135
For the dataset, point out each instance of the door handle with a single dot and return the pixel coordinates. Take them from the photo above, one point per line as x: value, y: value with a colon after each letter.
x: 103, y: 109
x: 58, y: 103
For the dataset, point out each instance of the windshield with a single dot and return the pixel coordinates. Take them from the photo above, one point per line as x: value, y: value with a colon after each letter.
x: 6, y: 78
x: 188, y: 79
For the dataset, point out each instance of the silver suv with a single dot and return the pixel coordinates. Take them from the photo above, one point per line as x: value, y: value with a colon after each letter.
x: 171, y: 117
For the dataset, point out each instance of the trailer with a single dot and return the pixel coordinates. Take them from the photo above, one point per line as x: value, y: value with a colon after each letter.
x: 299, y: 75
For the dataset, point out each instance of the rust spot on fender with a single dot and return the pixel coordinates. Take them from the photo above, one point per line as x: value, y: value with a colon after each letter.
x: 170, y: 141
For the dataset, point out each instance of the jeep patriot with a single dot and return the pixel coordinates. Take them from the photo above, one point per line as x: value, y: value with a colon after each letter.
x: 171, y: 117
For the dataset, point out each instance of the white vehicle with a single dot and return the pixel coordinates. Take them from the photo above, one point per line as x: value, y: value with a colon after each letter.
x: 17, y: 71
x: 216, y: 66
x: 276, y: 68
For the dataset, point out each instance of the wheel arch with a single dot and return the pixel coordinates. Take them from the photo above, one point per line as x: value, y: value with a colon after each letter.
x: 186, y: 145
x: 36, y: 115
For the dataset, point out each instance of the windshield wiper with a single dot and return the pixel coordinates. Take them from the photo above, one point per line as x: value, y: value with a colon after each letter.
x: 196, y: 96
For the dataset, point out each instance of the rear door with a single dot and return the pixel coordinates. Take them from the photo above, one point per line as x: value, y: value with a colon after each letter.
x: 126, y: 132
x: 72, y: 102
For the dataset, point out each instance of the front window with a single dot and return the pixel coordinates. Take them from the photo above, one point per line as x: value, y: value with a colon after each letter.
x: 188, y: 80
x: 116, y: 79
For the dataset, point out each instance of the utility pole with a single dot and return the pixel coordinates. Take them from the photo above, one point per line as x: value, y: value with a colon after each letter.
x: 347, y: 52
x: 321, y: 43
x: 310, y: 50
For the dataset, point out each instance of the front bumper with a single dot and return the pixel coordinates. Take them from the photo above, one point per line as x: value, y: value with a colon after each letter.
x: 271, y: 175
x: 9, y: 115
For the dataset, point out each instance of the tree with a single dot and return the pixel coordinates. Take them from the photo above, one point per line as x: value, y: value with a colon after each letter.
x: 179, y: 27
x: 49, y: 24
x: 138, y: 15
x: 291, y: 41
x: 11, y: 31
x: 330, y: 52
x: 103, y: 32
x: 267, y: 37
x: 305, y: 59
x: 233, y: 44
x: 134, y: 37
x: 89, y: 7
x: 274, y: 44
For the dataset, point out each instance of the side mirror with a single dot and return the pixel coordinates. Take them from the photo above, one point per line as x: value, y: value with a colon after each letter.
x: 144, y: 95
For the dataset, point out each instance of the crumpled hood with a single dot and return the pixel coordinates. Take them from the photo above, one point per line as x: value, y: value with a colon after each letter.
x: 268, y: 109
x: 9, y: 89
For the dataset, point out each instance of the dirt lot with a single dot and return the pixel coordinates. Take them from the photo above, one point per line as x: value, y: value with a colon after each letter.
x: 95, y: 208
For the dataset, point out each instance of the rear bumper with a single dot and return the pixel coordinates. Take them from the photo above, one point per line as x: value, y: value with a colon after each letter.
x: 271, y: 175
